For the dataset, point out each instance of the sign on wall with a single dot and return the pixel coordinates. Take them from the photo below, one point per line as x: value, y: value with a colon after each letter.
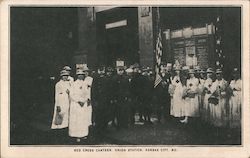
x: 190, y: 46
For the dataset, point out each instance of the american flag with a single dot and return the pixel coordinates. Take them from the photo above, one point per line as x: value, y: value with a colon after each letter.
x: 158, y: 51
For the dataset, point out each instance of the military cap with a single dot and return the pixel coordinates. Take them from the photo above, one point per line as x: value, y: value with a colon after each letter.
x: 110, y: 69
x: 129, y: 70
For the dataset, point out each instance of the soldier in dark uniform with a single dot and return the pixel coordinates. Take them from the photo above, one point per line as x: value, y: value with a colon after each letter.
x: 136, y: 86
x: 130, y: 102
x: 147, y: 89
x: 110, y: 93
x: 100, y: 102
x: 162, y: 97
x: 121, y: 88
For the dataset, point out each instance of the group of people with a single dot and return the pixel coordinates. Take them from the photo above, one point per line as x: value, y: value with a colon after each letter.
x: 207, y: 95
x: 117, y: 96
x: 73, y: 108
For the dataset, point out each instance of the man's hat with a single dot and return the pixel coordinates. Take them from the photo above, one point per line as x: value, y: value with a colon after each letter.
x: 110, y: 69
x: 210, y: 70
x: 79, y: 72
x: 169, y: 65
x: 218, y: 71
x: 67, y: 68
x: 129, y: 70
x: 64, y: 73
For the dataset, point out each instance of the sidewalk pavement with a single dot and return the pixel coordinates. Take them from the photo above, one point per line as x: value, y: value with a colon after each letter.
x: 170, y: 132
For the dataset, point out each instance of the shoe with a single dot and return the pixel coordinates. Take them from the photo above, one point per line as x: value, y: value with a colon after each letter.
x: 184, y: 121
x: 78, y: 140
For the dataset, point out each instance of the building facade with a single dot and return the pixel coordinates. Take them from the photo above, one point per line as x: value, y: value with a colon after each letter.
x: 205, y: 37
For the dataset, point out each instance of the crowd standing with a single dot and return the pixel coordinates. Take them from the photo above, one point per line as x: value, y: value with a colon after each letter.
x: 116, y: 96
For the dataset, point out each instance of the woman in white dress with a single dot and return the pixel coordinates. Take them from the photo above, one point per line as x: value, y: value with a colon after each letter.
x: 176, y: 103
x: 61, y: 109
x: 192, y: 102
x: 79, y: 108
x: 184, y: 106
x: 202, y: 78
x: 207, y: 93
x: 218, y: 100
x: 235, y: 100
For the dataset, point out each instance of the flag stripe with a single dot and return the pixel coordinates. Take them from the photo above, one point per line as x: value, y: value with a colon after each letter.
x: 158, y: 53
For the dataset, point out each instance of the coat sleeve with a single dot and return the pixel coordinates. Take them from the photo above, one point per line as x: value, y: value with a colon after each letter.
x: 238, y: 85
x: 93, y: 89
x: 57, y: 93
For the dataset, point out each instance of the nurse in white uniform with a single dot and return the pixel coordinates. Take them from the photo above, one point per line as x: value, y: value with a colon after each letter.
x: 218, y: 110
x: 192, y: 102
x: 79, y: 108
x: 61, y: 102
x: 235, y: 100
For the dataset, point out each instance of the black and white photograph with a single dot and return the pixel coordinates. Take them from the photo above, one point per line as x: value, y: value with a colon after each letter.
x: 126, y: 75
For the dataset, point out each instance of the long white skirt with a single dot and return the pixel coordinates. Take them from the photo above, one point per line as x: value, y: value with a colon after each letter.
x: 79, y: 120
x: 192, y: 107
x: 235, y: 110
x: 218, y: 113
x: 206, y: 109
x: 177, y: 103
x: 63, y: 101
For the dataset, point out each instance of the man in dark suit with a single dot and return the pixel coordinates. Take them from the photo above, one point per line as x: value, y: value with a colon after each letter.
x: 136, y: 91
x: 147, y: 90
x: 100, y: 102
x: 121, y: 88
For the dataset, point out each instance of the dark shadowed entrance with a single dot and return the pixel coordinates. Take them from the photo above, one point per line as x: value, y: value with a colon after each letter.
x: 117, y: 35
